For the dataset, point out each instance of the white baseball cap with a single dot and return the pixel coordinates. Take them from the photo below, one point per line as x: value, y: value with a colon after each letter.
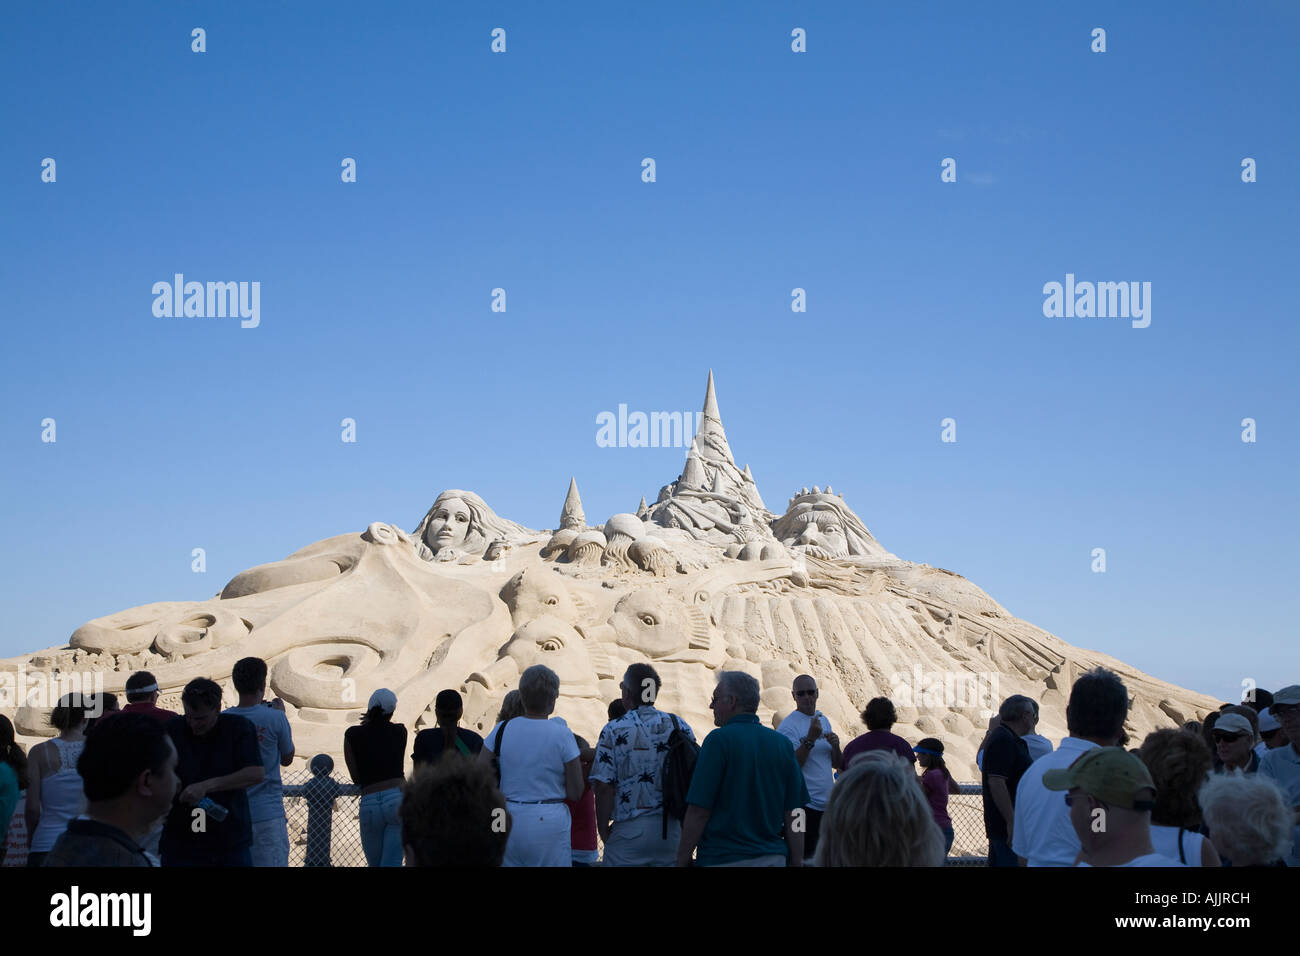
x: 1234, y: 724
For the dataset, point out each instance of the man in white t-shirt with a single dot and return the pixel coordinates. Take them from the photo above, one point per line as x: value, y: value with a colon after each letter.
x: 275, y: 745
x: 1110, y: 796
x: 1043, y: 834
x: 818, y: 751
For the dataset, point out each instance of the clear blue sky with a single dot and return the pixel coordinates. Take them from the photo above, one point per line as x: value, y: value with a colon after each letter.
x: 775, y: 170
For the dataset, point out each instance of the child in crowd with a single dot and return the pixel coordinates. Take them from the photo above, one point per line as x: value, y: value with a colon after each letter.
x: 937, y: 783
x: 582, y: 835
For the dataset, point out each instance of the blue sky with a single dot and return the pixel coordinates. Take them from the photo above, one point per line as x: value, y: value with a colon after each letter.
x: 775, y: 170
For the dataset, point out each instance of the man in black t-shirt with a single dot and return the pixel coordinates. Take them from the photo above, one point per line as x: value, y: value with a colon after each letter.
x: 217, y: 759
x: 1006, y: 758
x: 430, y: 744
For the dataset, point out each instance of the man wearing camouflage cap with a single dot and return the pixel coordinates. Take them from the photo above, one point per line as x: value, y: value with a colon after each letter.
x: 1110, y: 795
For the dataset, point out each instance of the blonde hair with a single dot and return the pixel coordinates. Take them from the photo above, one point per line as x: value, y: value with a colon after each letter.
x: 878, y: 816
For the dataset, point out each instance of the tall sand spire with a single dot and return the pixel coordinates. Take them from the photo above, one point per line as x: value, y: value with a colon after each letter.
x: 571, y: 516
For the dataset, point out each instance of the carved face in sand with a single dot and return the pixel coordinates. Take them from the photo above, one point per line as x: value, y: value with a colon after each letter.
x: 823, y: 534
x: 538, y: 593
x: 825, y: 527
x: 550, y: 641
x: 659, y: 624
x: 449, y: 525
x: 461, y: 523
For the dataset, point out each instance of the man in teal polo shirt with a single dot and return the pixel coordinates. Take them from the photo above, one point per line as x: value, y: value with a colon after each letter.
x: 747, y: 787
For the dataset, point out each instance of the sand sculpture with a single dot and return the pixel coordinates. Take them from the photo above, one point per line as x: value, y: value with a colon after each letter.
x: 704, y: 579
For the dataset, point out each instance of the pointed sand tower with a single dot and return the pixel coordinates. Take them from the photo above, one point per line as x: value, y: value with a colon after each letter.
x: 571, y: 516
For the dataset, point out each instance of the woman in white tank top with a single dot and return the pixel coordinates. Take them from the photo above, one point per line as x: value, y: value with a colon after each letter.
x: 54, y: 790
x: 1184, y: 845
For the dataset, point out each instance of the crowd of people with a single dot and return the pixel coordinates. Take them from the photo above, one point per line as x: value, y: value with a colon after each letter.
x: 143, y: 786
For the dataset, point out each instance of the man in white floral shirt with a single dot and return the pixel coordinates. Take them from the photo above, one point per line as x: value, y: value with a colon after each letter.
x: 628, y: 776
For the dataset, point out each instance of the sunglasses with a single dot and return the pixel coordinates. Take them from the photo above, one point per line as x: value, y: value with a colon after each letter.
x: 1226, y: 738
x: 805, y: 693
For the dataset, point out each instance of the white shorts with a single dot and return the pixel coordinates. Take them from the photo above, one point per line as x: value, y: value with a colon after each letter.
x: 539, y: 835
x: 640, y: 841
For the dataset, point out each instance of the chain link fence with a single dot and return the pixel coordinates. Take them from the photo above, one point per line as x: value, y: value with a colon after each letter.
x: 970, y: 847
x: 324, y: 817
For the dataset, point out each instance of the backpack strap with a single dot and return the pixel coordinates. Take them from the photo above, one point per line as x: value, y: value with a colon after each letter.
x: 663, y: 807
x: 496, y: 756
x: 1182, y: 855
x: 460, y: 745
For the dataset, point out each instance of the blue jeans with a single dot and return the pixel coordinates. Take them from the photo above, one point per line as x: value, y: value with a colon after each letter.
x: 381, y: 827
x: 1001, y: 854
x: 948, y: 837
x: 270, y: 842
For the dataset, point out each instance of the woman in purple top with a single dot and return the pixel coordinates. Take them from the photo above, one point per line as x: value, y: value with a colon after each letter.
x: 879, y: 717
x: 937, y: 783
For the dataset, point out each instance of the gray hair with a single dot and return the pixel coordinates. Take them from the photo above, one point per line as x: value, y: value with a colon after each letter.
x: 539, y: 686
x: 1016, y: 706
x: 1249, y: 821
x: 511, y: 707
x: 741, y: 686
